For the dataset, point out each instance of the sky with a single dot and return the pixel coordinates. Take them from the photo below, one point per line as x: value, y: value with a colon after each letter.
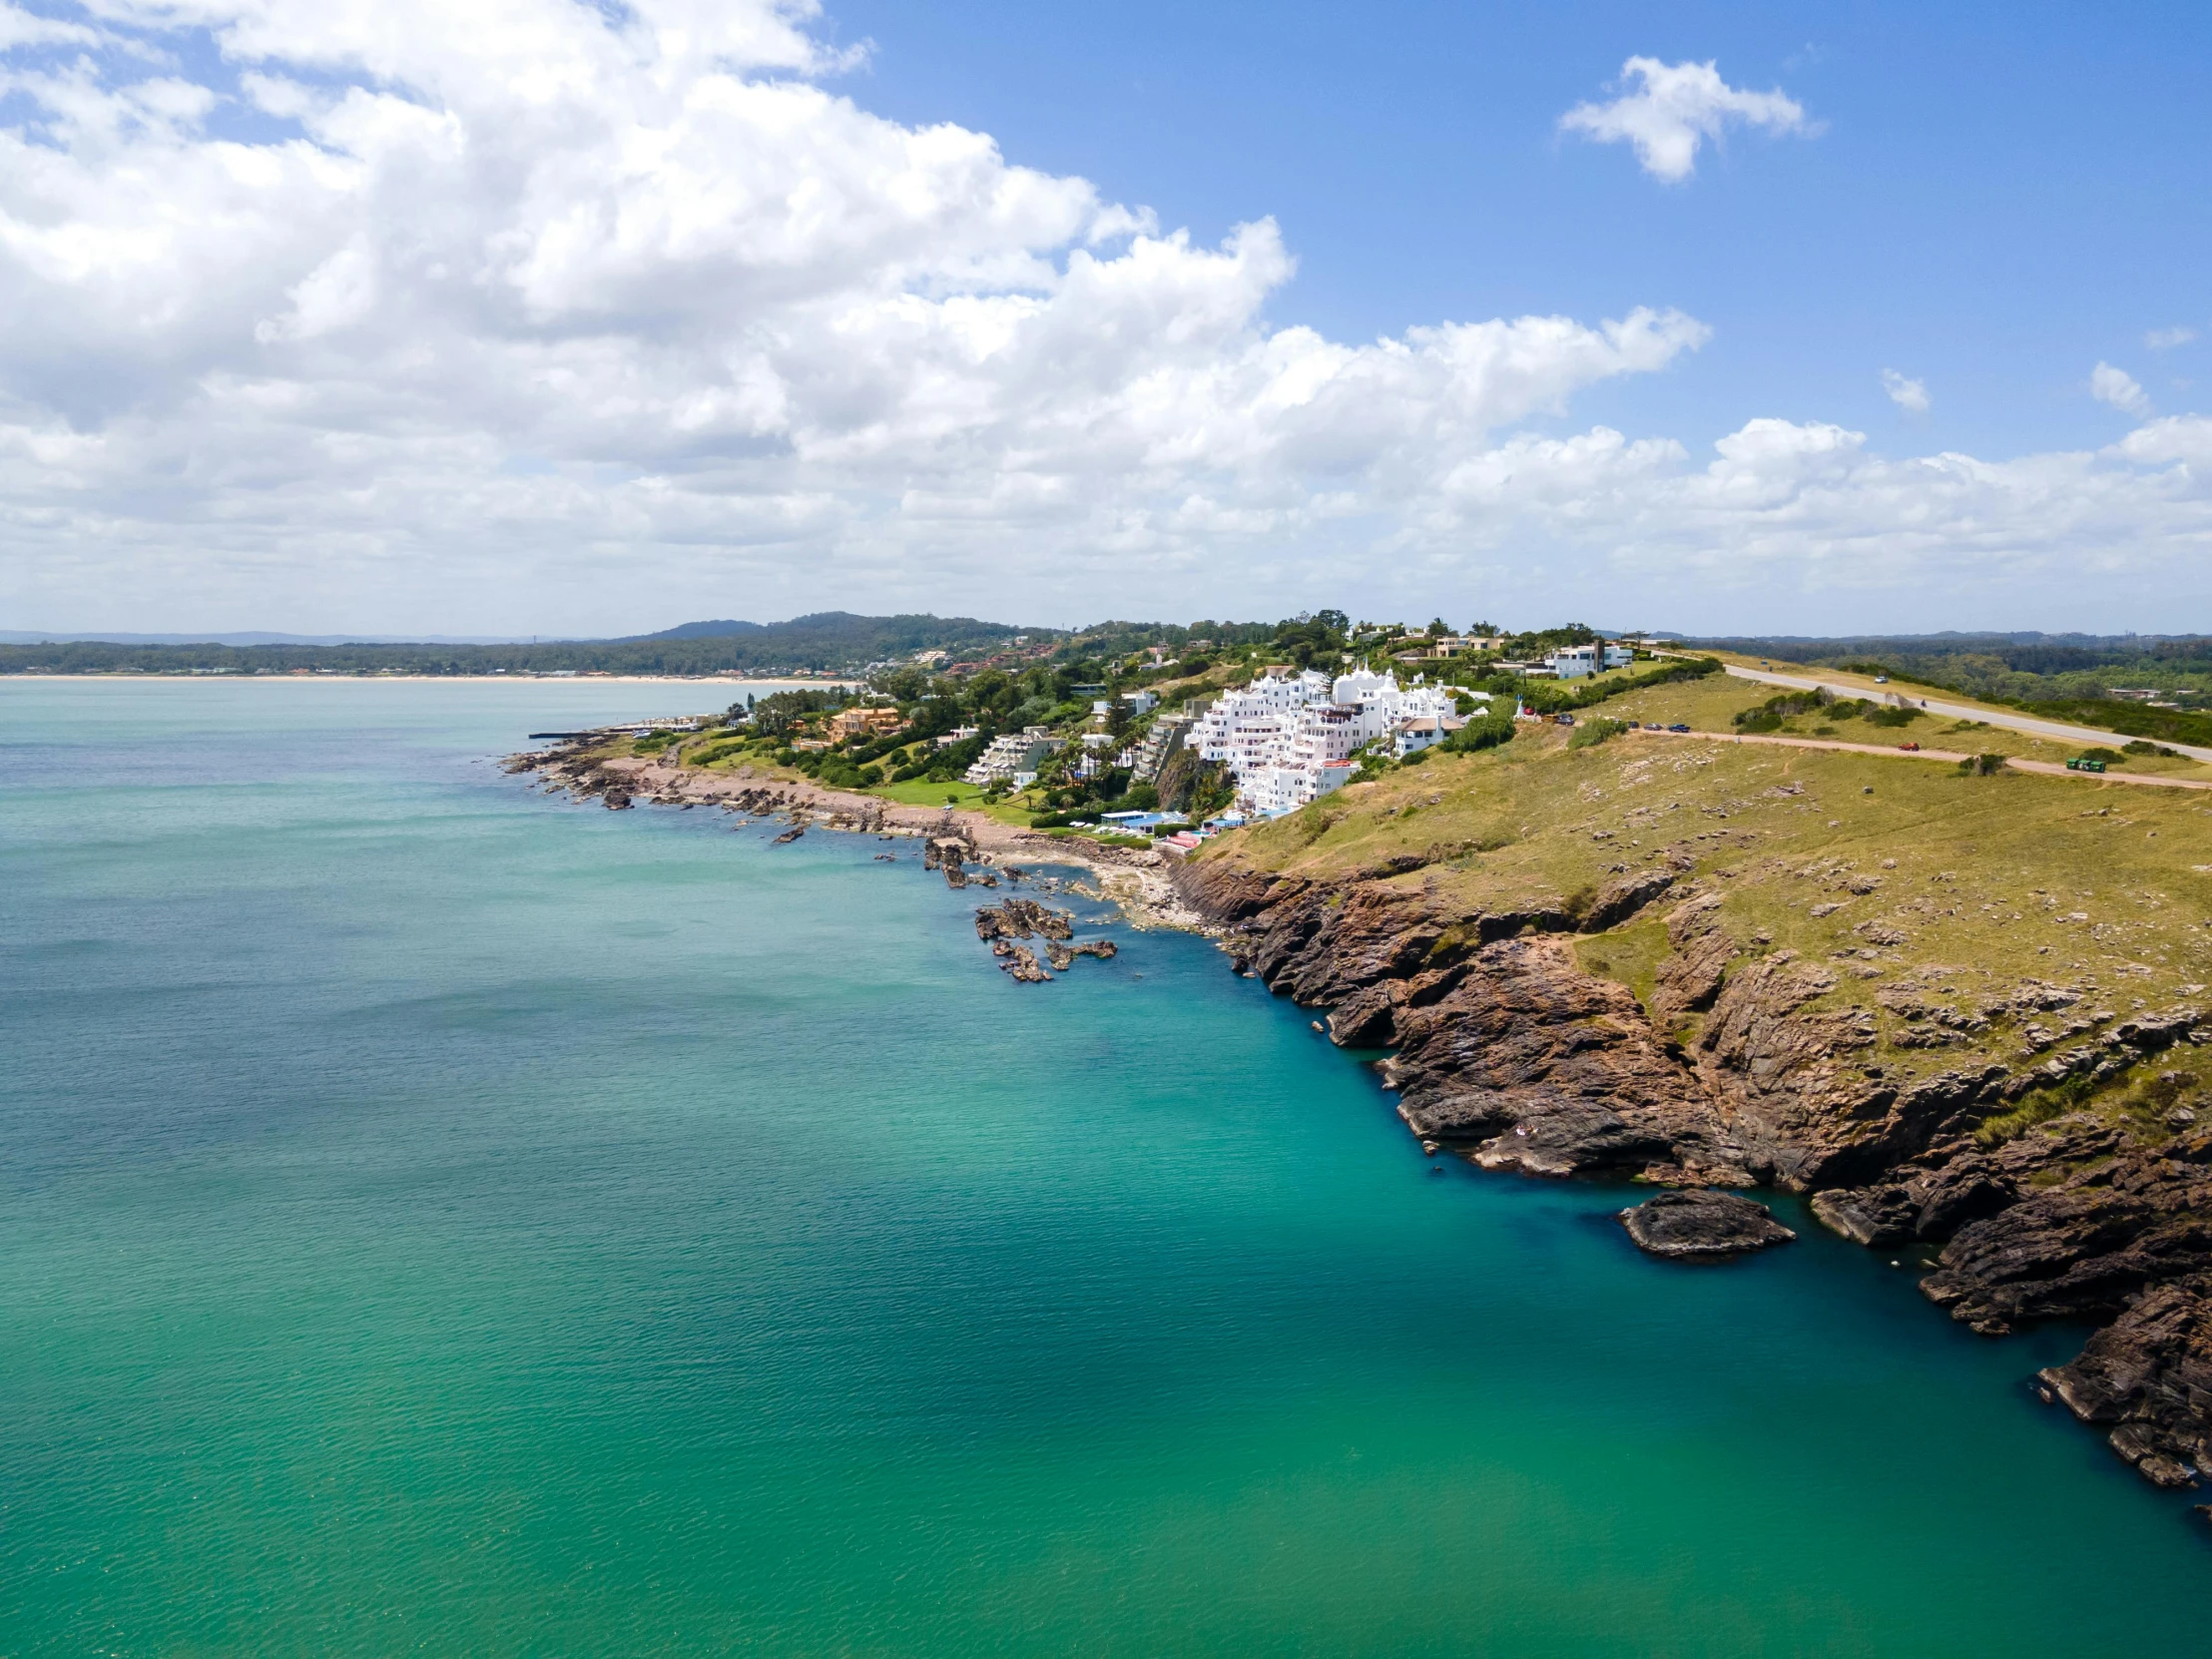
x: 543, y: 316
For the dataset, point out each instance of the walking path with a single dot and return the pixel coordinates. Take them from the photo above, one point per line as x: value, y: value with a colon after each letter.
x: 1948, y: 755
x: 2086, y: 734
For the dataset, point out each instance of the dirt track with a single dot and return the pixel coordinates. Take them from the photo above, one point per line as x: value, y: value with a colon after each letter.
x: 1950, y: 756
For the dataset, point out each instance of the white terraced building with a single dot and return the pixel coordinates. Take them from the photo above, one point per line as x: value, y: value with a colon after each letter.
x: 1011, y: 754
x: 1289, y: 740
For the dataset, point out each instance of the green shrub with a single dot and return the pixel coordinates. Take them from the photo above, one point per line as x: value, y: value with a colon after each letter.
x: 1982, y: 766
x: 1487, y: 732
x: 1768, y: 715
x: 1590, y: 732
x: 2133, y: 719
x: 1893, y: 716
x: 2110, y: 757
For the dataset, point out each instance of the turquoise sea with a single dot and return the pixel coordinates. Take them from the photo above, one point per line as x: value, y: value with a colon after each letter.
x: 436, y: 1218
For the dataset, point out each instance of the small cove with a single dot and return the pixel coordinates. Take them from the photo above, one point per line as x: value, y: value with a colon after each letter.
x: 440, y: 1218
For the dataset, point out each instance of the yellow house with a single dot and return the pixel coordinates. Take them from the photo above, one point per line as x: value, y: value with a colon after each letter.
x: 852, y: 723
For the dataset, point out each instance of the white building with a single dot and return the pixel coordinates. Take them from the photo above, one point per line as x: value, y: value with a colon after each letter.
x: 1014, y: 757
x: 1288, y: 740
x: 1422, y: 732
x: 1576, y: 662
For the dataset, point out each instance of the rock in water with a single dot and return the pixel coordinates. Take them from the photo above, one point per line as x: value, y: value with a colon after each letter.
x: 1702, y: 1223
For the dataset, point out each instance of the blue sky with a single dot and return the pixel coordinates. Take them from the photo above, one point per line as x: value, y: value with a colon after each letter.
x: 542, y: 316
x: 2002, y: 195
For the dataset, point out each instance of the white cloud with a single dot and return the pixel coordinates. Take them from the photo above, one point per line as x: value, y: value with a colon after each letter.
x: 22, y: 28
x: 2118, y: 387
x: 591, y: 320
x: 1674, y: 108
x: 1908, y: 395
x: 2165, y: 340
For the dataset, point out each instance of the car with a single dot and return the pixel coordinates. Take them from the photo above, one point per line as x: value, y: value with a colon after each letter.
x: 1678, y: 725
x: 1563, y: 719
x: 1913, y: 748
x: 1882, y: 679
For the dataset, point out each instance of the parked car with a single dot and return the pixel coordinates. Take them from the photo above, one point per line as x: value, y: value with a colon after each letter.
x: 1882, y: 679
x: 1914, y: 747
x: 1563, y: 719
x: 1678, y: 725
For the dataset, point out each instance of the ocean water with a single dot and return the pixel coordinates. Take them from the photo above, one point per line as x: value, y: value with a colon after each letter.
x: 436, y: 1218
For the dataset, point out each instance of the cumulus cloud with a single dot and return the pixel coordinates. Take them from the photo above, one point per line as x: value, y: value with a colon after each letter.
x: 1908, y: 394
x: 2118, y: 387
x: 2165, y: 340
x: 1666, y: 111
x: 581, y: 317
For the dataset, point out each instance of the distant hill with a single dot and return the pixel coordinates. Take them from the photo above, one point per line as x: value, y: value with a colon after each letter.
x: 827, y: 642
x: 704, y: 631
x: 831, y: 638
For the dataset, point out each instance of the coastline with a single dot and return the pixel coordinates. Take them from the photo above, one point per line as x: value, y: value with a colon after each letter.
x: 1504, y: 1052
x: 1139, y: 882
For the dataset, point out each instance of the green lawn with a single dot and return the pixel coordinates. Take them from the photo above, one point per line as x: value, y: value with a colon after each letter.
x: 966, y: 797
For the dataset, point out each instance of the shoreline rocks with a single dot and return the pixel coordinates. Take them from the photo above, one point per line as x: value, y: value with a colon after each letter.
x: 1694, y: 1225
x: 1136, y: 881
x: 1001, y: 925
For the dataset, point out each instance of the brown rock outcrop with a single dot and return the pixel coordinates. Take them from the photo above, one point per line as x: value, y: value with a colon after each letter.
x: 1024, y: 918
x: 2150, y: 1373
x: 1543, y: 1068
x: 1707, y: 1225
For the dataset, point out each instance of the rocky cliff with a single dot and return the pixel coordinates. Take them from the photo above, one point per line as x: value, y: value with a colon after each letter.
x: 2034, y: 1195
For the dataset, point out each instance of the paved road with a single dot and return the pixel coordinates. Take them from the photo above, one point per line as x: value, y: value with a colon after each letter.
x: 1950, y: 756
x: 2088, y: 735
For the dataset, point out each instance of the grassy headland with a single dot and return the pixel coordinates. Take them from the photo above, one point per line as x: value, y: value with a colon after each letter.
x: 1934, y: 895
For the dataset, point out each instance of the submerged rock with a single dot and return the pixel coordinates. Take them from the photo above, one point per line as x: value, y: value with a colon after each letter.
x: 1702, y: 1223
